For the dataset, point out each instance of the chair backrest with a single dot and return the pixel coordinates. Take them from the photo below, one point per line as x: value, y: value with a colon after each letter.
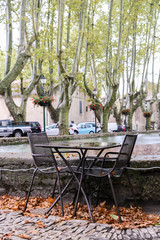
x: 46, y: 158
x: 125, y: 152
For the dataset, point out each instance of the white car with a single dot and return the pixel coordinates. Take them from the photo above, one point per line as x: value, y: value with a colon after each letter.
x: 73, y: 129
x: 53, y: 129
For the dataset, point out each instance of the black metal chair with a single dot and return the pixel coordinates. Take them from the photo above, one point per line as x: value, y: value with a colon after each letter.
x: 45, y: 162
x: 121, y: 160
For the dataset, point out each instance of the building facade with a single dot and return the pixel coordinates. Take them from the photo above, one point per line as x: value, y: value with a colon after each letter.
x: 79, y: 110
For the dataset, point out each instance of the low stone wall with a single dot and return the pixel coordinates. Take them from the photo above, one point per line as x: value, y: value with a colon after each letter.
x: 146, y: 184
x: 13, y: 140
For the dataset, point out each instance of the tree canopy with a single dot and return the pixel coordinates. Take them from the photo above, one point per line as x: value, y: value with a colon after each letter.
x: 111, y: 45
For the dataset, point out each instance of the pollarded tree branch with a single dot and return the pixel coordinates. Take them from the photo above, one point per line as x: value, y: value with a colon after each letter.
x: 21, y: 61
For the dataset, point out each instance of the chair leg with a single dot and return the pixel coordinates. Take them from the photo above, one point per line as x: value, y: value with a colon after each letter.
x: 58, y: 198
x: 131, y: 187
x: 74, y: 199
x: 114, y: 197
x: 29, y: 191
x: 54, y: 188
x: 78, y: 192
x: 60, y: 193
x: 98, y: 191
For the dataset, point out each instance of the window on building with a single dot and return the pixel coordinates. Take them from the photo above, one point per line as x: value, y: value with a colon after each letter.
x: 80, y: 107
x: 86, y: 108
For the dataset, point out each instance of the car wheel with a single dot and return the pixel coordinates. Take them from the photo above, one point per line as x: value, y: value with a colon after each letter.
x: 75, y: 133
x: 18, y: 133
x: 91, y: 132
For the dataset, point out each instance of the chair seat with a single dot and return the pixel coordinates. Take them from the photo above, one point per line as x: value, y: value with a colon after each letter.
x: 101, y: 172
x: 96, y: 171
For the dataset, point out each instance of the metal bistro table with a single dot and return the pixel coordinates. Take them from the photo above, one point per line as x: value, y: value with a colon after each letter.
x: 83, y: 148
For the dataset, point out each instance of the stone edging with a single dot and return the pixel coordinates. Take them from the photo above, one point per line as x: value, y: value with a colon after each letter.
x: 13, y: 140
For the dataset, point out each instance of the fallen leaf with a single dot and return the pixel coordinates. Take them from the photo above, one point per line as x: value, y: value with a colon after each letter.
x: 40, y: 224
x: 51, y: 200
x: 7, y: 236
x: 113, y: 173
x: 24, y: 236
x: 132, y: 217
x: 115, y: 217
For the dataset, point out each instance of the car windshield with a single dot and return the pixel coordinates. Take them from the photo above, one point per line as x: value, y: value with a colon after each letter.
x: 52, y: 126
x: 34, y: 124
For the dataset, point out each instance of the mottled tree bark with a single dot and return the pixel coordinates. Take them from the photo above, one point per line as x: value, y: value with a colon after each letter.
x: 68, y: 81
x: 18, y: 112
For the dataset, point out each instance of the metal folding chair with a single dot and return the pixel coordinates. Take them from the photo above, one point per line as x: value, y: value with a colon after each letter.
x: 120, y: 163
x: 44, y: 162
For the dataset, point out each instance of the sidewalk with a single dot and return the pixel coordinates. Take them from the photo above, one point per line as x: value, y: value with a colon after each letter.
x: 15, y: 226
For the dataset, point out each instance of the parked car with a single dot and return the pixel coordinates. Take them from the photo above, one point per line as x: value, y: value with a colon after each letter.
x: 98, y: 128
x: 121, y: 128
x: 113, y: 127
x: 86, y: 128
x: 52, y: 129
x: 16, y: 129
x: 73, y: 129
x: 35, y: 127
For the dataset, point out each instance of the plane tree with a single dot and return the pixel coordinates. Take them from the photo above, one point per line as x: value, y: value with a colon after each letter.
x: 139, y: 50
x: 68, y: 65
x: 15, y: 65
x: 128, y: 44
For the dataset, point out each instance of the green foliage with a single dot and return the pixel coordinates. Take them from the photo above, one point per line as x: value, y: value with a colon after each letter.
x: 100, y: 37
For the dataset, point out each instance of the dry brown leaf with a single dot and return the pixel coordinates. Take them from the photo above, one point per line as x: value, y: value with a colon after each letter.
x: 34, y: 231
x: 7, y: 236
x: 132, y: 217
x: 51, y: 200
x: 113, y: 173
x: 40, y: 224
x: 24, y: 236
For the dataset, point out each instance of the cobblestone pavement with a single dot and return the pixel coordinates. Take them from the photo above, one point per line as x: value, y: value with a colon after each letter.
x: 13, y: 225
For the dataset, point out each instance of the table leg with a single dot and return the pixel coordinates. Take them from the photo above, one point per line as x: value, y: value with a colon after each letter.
x: 77, y: 180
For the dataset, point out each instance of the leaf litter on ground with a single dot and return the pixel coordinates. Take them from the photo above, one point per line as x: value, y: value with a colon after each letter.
x: 132, y: 217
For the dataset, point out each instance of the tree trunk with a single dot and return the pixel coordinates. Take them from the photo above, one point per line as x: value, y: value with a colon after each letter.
x: 68, y: 82
x: 63, y: 119
x: 8, y: 37
x: 105, y: 121
x: 18, y: 112
x: 129, y: 124
x: 54, y: 113
x: 158, y: 115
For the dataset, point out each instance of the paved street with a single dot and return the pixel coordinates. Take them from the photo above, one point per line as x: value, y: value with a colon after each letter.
x: 13, y: 225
